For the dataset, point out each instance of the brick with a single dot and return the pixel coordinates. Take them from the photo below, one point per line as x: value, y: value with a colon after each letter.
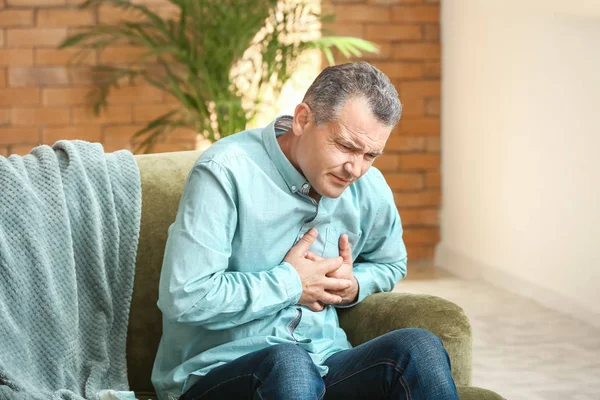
x: 420, y: 89
x: 419, y: 253
x: 147, y: 112
x: 345, y: 29
x: 121, y: 133
x: 2, y: 37
x: 419, y: 162
x: 17, y: 37
x: 166, y: 11
x: 385, y: 52
x: 428, y: 197
x: 36, y: 76
x: 413, y: 107
x: 137, y: 94
x: 13, y: 17
x: 2, y: 77
x: 109, y: 15
x: 399, y: 70
x: 76, y: 30
x: 21, y: 149
x: 414, y: 95
x: 420, y: 216
x: 40, y: 116
x: 122, y: 54
x: 23, y: 3
x: 393, y: 32
x: 418, y: 127
x: 405, y: 144
x: 85, y: 75
x: 362, y: 13
x: 111, y: 114
x: 4, y: 151
x: 416, y: 51
x: 421, y: 235
x: 16, y: 57
x: 19, y: 97
x: 386, y: 162
x: 65, y: 96
x: 347, y: 1
x: 433, y: 144
x: 91, y: 133
x: 394, y: 2
x: 432, y: 107
x: 18, y: 135
x: 432, y: 69
x: 416, y: 14
x: 51, y: 18
x: 404, y: 181
x: 433, y: 180
x: 431, y: 32
x: 4, y: 116
x: 182, y: 135
x: 62, y: 57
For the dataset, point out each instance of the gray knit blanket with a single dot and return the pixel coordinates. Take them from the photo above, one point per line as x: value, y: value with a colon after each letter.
x: 69, y: 230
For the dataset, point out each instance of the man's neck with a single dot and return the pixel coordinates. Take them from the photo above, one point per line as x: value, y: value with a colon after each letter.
x: 287, y: 143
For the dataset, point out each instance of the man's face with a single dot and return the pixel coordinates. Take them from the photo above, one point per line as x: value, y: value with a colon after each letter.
x: 337, y: 154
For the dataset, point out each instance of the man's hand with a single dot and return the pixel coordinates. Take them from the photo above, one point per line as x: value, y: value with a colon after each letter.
x: 318, y: 287
x: 350, y: 294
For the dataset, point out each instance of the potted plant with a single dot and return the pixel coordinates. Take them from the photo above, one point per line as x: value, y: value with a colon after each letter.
x: 219, y: 58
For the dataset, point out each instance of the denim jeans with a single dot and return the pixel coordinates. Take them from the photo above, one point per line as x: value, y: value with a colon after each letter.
x: 406, y: 364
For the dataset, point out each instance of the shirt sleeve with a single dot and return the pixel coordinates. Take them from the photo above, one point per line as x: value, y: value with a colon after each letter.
x: 382, y: 262
x: 195, y: 287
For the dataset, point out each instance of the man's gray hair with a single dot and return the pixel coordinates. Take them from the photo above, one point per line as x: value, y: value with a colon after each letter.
x: 335, y: 85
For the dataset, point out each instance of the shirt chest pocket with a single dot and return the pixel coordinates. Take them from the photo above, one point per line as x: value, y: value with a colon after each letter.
x: 332, y: 239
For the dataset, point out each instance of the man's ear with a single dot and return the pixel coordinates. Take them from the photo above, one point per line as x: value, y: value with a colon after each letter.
x: 301, y: 119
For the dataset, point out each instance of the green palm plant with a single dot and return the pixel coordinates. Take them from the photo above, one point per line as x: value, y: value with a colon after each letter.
x: 220, y: 59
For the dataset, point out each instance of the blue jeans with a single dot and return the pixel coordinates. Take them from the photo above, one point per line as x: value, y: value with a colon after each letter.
x: 406, y: 364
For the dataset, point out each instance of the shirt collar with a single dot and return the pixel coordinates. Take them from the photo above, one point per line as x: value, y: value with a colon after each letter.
x: 293, y: 179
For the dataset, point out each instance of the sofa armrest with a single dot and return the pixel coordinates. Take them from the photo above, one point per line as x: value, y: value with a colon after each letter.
x: 385, y: 312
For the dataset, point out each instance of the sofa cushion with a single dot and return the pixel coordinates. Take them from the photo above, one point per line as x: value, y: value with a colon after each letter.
x: 162, y: 177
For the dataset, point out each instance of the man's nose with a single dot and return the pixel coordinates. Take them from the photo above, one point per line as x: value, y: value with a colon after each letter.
x: 353, y: 168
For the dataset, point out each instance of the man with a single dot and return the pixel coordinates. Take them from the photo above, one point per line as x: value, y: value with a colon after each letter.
x: 276, y: 228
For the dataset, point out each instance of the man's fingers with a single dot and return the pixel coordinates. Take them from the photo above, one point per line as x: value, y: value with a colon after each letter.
x: 331, y: 264
x: 305, y: 242
x: 345, y: 249
x: 313, y: 257
x: 335, y: 284
x: 329, y: 298
x: 316, y: 306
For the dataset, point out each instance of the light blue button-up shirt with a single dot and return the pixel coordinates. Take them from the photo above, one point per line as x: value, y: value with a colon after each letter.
x: 224, y: 290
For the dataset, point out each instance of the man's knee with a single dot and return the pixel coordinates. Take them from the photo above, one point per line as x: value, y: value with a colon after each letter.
x: 415, y: 342
x: 293, y: 371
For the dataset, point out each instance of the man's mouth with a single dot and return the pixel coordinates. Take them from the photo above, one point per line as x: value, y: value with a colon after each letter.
x: 342, y: 180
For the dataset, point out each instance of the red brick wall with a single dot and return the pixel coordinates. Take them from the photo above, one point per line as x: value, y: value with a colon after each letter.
x: 42, y: 99
x: 407, y: 32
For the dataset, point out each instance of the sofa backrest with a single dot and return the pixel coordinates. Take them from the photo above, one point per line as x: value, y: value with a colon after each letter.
x: 162, y: 177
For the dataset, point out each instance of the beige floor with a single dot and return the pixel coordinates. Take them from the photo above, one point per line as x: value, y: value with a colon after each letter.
x: 521, y: 349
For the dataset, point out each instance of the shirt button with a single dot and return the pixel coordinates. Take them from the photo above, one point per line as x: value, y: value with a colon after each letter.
x: 293, y: 187
x: 305, y: 186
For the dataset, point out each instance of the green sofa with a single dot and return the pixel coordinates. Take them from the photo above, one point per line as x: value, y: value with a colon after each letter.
x: 162, y: 177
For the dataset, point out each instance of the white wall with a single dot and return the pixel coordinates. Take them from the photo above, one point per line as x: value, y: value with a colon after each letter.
x: 521, y: 148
